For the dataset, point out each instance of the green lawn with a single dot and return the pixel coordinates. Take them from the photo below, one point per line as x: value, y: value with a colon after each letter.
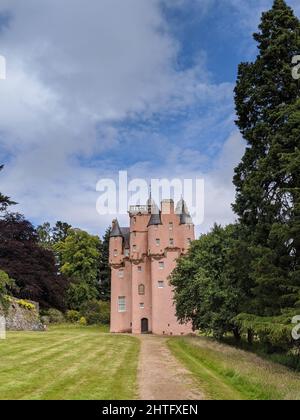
x: 225, y: 373
x: 68, y: 363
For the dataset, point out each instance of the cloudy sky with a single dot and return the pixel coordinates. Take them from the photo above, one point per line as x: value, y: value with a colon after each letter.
x: 98, y: 86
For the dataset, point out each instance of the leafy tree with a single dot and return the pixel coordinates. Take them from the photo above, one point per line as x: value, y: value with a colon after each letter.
x: 267, y: 180
x: 105, y: 271
x: 209, y: 282
x: 6, y: 285
x: 4, y: 200
x: 45, y: 235
x: 31, y: 266
x: 79, y: 255
x: 60, y: 231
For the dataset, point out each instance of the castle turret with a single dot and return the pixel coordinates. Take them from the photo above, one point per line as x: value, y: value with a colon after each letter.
x: 116, y: 244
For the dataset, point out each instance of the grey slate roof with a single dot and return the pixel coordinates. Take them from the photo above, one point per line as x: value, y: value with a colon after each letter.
x: 155, y: 219
x: 116, y: 231
x: 183, y: 213
x: 126, y: 235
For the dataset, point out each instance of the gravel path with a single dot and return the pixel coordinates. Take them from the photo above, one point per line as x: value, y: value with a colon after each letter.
x: 161, y: 376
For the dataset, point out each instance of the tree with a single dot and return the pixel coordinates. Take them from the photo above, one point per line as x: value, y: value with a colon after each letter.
x: 104, y: 270
x: 45, y: 235
x: 267, y: 180
x: 60, y: 231
x: 31, y: 266
x: 79, y: 255
x: 4, y: 200
x: 209, y: 282
x: 6, y: 285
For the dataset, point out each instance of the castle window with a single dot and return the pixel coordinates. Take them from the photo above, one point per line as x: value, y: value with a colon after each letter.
x: 122, y: 304
x: 157, y: 242
x: 141, y: 289
x: 170, y: 226
x: 161, y: 265
x: 161, y: 284
x: 115, y: 252
x: 121, y: 274
x: 142, y: 305
x: 171, y: 242
x: 189, y: 240
x: 139, y: 268
x: 126, y: 252
x: 134, y: 248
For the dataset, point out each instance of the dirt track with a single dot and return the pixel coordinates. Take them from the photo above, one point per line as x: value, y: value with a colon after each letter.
x: 160, y: 375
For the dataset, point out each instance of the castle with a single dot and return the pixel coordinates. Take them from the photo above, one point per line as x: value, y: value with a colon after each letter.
x: 141, y: 258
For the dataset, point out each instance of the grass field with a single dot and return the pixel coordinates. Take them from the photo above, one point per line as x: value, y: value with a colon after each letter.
x: 68, y: 363
x: 225, y: 373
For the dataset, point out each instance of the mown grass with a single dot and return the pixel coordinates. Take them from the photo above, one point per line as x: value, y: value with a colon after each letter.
x: 68, y: 363
x: 226, y: 373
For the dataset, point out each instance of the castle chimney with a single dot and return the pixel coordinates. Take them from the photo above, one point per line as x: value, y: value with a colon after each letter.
x: 167, y: 207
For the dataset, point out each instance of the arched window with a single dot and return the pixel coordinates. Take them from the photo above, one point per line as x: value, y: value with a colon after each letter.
x: 141, y: 289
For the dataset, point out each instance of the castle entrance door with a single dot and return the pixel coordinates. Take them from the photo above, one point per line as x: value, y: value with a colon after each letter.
x: 144, y: 326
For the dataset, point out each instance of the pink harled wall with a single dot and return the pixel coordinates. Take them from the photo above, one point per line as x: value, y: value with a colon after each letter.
x: 142, y: 271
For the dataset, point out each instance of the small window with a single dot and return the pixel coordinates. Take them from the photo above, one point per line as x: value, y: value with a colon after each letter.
x: 142, y: 305
x: 170, y: 226
x: 126, y: 252
x: 161, y: 265
x: 121, y: 274
x: 189, y: 240
x: 134, y: 220
x: 122, y: 304
x: 140, y: 268
x: 141, y: 289
x: 134, y: 234
x: 171, y: 242
x: 115, y: 252
x: 157, y: 242
x: 134, y: 248
x: 161, y: 284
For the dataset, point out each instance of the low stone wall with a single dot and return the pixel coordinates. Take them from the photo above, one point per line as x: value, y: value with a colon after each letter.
x: 22, y: 315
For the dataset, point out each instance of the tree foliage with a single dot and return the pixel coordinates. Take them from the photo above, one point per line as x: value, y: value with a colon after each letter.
x: 79, y: 256
x: 32, y: 267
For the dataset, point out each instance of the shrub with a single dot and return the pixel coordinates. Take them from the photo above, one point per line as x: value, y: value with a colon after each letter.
x: 26, y: 305
x: 45, y: 320
x: 96, y: 312
x: 82, y: 321
x: 55, y: 316
x: 105, y: 312
x: 73, y: 316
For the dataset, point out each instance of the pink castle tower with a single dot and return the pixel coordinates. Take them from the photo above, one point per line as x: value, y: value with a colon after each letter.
x: 142, y: 257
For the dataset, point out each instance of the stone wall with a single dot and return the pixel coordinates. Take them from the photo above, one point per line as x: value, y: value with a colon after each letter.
x: 22, y: 316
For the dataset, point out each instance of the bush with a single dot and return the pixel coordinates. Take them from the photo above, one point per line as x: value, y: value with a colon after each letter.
x: 55, y: 316
x: 96, y: 312
x: 45, y: 320
x: 105, y: 312
x: 73, y: 316
x: 82, y: 321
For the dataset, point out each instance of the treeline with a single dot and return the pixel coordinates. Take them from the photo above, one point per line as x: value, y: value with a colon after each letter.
x: 60, y: 267
x: 244, y: 279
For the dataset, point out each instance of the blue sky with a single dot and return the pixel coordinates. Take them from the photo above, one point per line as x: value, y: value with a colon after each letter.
x: 107, y: 85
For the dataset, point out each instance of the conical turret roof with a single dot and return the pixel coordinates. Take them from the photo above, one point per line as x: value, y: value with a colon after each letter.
x: 116, y: 230
x: 183, y: 212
